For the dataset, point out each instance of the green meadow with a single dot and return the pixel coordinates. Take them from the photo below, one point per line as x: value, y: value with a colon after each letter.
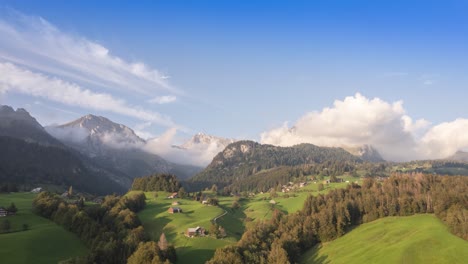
x: 43, y: 242
x: 156, y: 218
x: 412, y: 239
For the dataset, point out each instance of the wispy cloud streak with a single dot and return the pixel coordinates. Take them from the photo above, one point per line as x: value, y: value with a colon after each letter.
x: 17, y: 79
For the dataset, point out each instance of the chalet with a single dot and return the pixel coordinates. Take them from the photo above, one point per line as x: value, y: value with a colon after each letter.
x: 196, y: 231
x: 172, y: 196
x: 98, y: 200
x: 3, y: 212
x: 36, y: 190
x: 175, y: 203
x: 174, y: 210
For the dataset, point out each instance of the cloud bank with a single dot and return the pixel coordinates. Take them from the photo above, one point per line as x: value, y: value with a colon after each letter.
x: 357, y: 120
x: 35, y: 43
x: 198, y: 154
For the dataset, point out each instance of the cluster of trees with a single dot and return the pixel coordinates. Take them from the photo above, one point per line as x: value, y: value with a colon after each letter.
x: 157, y: 182
x: 111, y: 230
x: 7, y: 187
x: 325, y: 217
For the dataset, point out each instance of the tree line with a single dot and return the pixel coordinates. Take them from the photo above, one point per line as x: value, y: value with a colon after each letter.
x: 156, y: 182
x: 112, y: 230
x: 284, y: 238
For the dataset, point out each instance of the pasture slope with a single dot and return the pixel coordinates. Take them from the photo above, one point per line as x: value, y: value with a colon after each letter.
x: 44, y: 241
x: 412, y: 239
x: 156, y: 220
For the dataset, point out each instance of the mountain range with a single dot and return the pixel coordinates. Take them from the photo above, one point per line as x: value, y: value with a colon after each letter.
x: 115, y: 146
x: 100, y: 150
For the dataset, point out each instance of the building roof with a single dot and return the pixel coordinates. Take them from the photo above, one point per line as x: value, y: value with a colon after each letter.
x: 193, y: 229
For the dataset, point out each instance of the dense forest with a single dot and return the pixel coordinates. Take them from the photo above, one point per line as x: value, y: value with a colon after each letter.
x: 242, y: 159
x: 326, y: 217
x: 157, y: 182
x: 111, y: 230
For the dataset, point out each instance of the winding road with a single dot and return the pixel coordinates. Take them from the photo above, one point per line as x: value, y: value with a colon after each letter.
x: 216, y: 218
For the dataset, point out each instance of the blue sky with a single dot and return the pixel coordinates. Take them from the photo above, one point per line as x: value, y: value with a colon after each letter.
x: 241, y: 69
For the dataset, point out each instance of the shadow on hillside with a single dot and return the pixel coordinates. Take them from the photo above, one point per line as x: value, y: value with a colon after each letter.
x: 233, y: 221
x: 190, y: 255
x: 154, y: 227
x: 316, y: 259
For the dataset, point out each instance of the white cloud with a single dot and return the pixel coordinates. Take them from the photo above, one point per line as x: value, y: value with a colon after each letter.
x: 163, y: 99
x: 20, y: 80
x: 355, y: 121
x: 35, y: 43
x: 198, y: 154
x: 445, y: 139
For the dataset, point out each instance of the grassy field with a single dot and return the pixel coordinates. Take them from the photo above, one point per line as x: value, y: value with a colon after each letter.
x: 156, y: 220
x: 413, y: 239
x: 44, y: 242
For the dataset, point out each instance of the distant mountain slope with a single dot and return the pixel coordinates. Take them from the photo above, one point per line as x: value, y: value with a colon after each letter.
x: 29, y: 155
x: 459, y: 156
x: 245, y: 158
x: 30, y: 164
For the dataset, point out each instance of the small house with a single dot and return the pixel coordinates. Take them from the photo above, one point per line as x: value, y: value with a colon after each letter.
x: 174, y: 210
x: 326, y: 182
x: 3, y: 212
x: 196, y: 231
x: 98, y: 200
x: 36, y: 190
x: 172, y: 196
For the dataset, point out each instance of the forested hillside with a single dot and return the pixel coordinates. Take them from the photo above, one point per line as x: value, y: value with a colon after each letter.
x: 30, y: 164
x: 245, y: 158
x: 325, y: 217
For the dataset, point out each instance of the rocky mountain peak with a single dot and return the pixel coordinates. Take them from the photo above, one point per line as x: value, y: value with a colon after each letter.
x: 365, y: 152
x: 205, y: 139
x: 8, y: 114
